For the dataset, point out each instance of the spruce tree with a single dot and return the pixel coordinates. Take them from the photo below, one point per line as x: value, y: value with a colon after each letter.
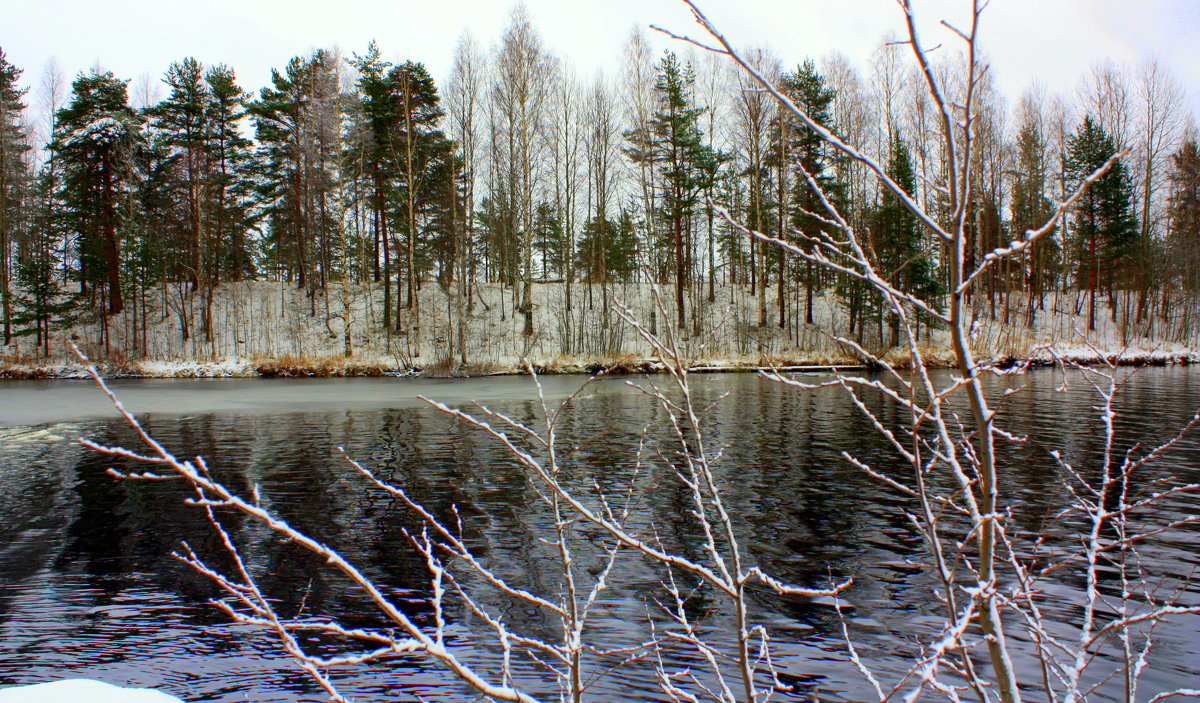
x: 41, y: 305
x: 548, y: 238
x: 902, y: 255
x: 1105, y: 228
x: 607, y: 251
x: 444, y: 209
x: 807, y: 153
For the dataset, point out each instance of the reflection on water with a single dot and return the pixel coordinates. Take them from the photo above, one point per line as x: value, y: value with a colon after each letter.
x: 88, y: 586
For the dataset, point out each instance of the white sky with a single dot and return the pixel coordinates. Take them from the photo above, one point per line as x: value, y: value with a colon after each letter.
x: 1054, y: 41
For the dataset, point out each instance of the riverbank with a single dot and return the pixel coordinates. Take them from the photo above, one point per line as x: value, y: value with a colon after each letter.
x: 333, y: 367
x: 271, y: 329
x: 299, y: 367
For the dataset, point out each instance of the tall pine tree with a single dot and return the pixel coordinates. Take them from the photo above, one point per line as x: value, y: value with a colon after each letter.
x: 298, y: 124
x: 686, y: 167
x: 94, y: 142
x: 15, y: 183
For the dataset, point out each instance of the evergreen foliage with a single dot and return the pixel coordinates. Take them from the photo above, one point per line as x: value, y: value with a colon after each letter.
x: 95, y: 143
x: 902, y: 254
x: 41, y: 305
x: 15, y: 181
x: 685, y: 165
x: 1184, y: 231
x: 1105, y: 228
x: 808, y: 158
x: 297, y: 122
x: 608, y: 250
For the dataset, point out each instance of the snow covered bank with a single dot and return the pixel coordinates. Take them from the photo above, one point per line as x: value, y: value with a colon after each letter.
x: 82, y: 691
x: 293, y: 367
x: 266, y: 328
x: 65, y: 369
x: 318, y: 368
x: 1135, y: 356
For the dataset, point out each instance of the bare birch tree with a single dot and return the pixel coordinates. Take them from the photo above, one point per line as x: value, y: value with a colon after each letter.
x: 637, y: 96
x: 601, y: 152
x: 753, y: 114
x: 464, y: 95
x: 520, y: 92
x: 1105, y: 95
x: 564, y: 134
x: 1160, y: 99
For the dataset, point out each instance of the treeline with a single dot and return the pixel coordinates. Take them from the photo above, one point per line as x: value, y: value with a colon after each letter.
x: 350, y: 170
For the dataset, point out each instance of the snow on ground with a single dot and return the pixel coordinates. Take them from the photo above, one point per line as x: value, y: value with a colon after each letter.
x: 225, y: 368
x: 82, y: 691
x: 273, y: 324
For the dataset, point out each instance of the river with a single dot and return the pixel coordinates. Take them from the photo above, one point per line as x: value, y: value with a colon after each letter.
x: 88, y: 586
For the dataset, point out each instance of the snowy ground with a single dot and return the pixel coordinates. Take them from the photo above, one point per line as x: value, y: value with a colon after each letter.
x: 82, y: 691
x: 272, y: 327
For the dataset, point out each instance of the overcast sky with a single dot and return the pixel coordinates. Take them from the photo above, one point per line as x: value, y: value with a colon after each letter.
x: 1054, y: 41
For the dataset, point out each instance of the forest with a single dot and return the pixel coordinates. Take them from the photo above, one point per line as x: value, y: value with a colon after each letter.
x: 946, y: 523
x: 391, y: 212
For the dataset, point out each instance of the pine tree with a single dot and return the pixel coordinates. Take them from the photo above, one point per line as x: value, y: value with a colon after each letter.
x: 298, y: 124
x: 94, y: 143
x: 412, y: 173
x: 422, y: 149
x: 14, y: 181
x: 377, y: 153
x: 156, y: 236
x: 686, y: 167
x: 181, y: 123
x: 1105, y: 228
x: 231, y: 208
x: 208, y: 172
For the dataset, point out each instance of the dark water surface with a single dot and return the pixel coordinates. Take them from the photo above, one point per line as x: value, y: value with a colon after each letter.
x: 88, y: 587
